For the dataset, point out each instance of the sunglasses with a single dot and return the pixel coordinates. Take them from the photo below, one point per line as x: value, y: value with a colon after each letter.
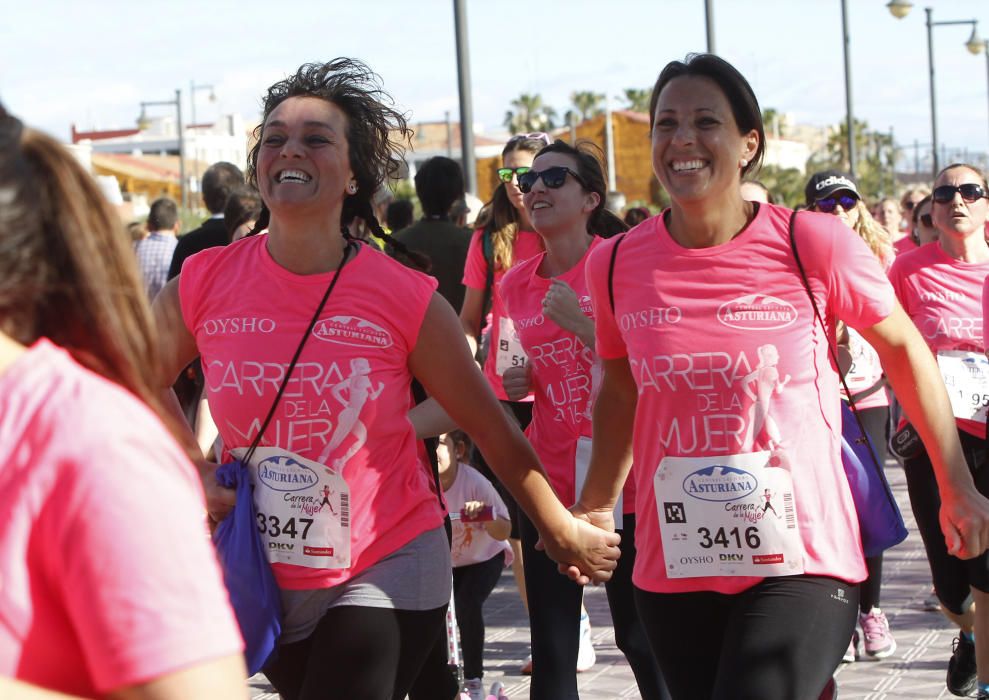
x: 970, y: 192
x: 553, y: 178
x: 828, y: 204
x: 926, y: 221
x: 909, y: 205
x: 534, y: 136
x: 505, y: 174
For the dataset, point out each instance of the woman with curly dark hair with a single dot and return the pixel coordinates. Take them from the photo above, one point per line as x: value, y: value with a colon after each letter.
x: 324, y: 335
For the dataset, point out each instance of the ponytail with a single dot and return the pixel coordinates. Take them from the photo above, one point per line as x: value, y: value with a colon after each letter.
x: 402, y: 253
x: 605, y: 223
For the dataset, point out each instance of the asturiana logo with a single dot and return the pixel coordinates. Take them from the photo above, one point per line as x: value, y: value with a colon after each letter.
x: 352, y: 330
x: 757, y: 312
x: 720, y: 483
x: 285, y: 474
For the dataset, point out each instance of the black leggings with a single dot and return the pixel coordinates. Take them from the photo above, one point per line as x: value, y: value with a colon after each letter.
x: 779, y: 640
x: 876, y: 422
x: 358, y: 653
x: 554, y: 621
x: 472, y: 585
x: 952, y: 576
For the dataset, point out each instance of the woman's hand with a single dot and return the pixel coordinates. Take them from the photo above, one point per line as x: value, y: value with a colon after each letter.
x: 219, y: 500
x: 561, y: 306
x: 588, y: 551
x: 964, y: 521
x: 517, y: 382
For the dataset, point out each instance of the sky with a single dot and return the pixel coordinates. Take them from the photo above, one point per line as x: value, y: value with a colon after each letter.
x: 92, y: 63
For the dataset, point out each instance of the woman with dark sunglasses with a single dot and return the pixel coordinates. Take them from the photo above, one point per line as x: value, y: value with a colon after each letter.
x: 718, y: 392
x: 924, y: 230
x: 546, y: 298
x: 504, y: 237
x: 908, y: 203
x: 941, y: 287
x: 832, y: 192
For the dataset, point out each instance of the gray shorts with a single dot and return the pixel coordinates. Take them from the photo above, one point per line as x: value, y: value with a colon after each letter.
x: 415, y: 577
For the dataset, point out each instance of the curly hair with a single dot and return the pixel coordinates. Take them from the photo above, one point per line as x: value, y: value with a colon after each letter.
x: 377, y: 136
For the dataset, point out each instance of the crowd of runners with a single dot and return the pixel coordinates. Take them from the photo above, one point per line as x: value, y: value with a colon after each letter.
x: 583, y: 396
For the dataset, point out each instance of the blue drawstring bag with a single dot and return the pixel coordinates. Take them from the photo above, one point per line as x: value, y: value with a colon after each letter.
x: 880, y: 521
x: 251, y: 584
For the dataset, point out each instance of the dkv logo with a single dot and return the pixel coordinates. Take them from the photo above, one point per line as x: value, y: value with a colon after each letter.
x: 757, y: 312
x: 352, y: 330
x: 285, y: 474
x: 720, y: 483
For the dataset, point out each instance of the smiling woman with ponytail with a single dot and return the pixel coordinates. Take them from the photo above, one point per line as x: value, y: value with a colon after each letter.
x: 311, y: 386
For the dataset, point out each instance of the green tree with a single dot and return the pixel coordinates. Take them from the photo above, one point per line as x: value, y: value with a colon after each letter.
x: 529, y: 114
x: 786, y: 184
x: 587, y: 104
x: 875, y: 155
x: 638, y: 100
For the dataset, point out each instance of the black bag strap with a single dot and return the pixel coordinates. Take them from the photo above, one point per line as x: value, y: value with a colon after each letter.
x: 487, y: 249
x: 351, y: 247
x: 611, y: 272
x: 834, y: 353
x: 868, y: 391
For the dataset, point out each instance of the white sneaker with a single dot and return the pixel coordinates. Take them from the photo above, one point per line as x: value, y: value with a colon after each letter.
x: 585, y: 655
x: 474, y: 688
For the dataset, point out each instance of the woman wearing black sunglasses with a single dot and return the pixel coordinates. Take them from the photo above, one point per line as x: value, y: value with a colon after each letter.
x: 504, y: 237
x: 546, y: 297
x: 941, y: 286
x: 719, y: 394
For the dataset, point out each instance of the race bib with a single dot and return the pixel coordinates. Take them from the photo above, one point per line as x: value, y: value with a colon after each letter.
x: 966, y: 377
x: 582, y: 462
x: 303, y: 509
x: 866, y: 368
x: 727, y: 516
x: 510, y: 353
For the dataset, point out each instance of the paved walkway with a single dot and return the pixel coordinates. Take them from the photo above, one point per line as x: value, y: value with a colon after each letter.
x: 915, y: 672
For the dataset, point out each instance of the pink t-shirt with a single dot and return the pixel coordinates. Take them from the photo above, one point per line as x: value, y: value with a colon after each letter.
x: 526, y: 245
x: 943, y: 296
x: 471, y: 542
x: 349, y: 392
x: 565, y: 372
x: 904, y: 245
x: 108, y: 577
x: 700, y: 327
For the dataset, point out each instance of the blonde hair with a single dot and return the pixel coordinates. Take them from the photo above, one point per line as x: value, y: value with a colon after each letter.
x: 874, y: 234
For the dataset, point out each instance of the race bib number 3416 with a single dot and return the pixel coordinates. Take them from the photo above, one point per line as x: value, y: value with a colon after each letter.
x: 727, y: 516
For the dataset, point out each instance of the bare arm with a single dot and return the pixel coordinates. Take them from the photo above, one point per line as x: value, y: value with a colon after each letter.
x: 219, y: 679
x: 430, y: 420
x: 471, y: 316
x: 177, y: 348
x: 611, y: 459
x: 445, y: 368
x: 12, y: 689
x: 914, y: 375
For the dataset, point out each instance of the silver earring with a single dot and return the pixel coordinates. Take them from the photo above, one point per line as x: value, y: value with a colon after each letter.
x: 352, y: 188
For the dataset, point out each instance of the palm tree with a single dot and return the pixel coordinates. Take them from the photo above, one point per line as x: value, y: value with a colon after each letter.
x: 528, y: 114
x: 638, y: 100
x: 587, y: 104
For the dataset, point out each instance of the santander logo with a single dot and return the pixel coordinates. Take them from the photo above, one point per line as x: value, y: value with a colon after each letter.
x: 352, y: 330
x: 757, y: 312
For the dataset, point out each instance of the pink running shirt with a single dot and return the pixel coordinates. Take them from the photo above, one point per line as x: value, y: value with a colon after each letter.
x: 108, y: 576
x: 248, y: 315
x: 526, y: 245
x: 563, y: 372
x: 904, y: 245
x: 699, y: 326
x: 943, y: 296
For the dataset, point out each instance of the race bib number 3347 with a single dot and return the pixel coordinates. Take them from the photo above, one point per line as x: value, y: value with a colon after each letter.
x: 727, y: 516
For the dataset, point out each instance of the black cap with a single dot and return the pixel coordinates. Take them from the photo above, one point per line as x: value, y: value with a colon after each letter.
x: 826, y: 183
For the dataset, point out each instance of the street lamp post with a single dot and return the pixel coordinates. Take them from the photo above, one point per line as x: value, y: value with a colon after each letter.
x: 142, y: 122
x: 466, y: 103
x: 849, y: 114
x: 900, y: 9
x: 192, y: 101
x: 709, y: 24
